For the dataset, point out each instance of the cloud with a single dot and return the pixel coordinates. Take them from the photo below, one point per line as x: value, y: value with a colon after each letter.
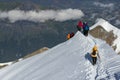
x: 110, y: 5
x: 42, y: 15
x: 93, y: 15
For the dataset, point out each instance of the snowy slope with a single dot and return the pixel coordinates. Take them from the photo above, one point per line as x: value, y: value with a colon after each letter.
x: 7, y: 63
x: 108, y: 27
x: 69, y: 60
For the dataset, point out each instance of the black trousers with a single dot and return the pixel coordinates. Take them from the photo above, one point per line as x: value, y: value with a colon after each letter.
x: 85, y: 32
x: 94, y: 59
x: 79, y: 29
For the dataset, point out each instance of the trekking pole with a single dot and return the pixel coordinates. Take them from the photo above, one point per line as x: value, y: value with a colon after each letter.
x: 99, y: 57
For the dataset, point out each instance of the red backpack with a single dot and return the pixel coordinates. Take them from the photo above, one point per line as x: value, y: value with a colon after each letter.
x: 80, y: 24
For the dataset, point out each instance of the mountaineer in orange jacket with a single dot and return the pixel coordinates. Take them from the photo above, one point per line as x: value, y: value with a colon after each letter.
x: 70, y: 35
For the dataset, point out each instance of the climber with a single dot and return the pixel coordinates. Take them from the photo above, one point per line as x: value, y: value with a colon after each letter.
x: 70, y: 35
x: 85, y: 28
x: 80, y: 26
x: 94, y: 54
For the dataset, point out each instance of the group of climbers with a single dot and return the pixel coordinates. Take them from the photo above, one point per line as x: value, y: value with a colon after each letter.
x: 84, y: 28
x: 70, y: 35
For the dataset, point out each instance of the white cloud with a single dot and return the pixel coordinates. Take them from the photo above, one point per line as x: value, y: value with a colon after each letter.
x: 110, y: 5
x: 42, y: 15
x: 93, y: 15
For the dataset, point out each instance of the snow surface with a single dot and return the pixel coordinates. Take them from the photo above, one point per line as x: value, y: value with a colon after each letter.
x: 7, y: 63
x: 108, y: 27
x: 69, y: 60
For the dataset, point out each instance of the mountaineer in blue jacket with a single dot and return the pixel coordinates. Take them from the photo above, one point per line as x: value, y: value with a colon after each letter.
x: 85, y: 29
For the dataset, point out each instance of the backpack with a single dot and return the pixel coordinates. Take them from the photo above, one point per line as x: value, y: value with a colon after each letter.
x: 68, y: 36
x: 71, y: 35
x: 80, y: 24
x: 86, y: 27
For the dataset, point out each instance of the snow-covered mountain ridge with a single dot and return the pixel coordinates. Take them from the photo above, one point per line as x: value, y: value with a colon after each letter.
x: 112, y: 36
x: 69, y: 60
x: 27, y: 56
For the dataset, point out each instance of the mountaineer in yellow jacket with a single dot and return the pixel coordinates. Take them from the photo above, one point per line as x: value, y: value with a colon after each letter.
x: 94, y: 54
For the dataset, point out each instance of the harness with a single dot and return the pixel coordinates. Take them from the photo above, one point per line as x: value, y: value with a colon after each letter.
x: 94, y: 54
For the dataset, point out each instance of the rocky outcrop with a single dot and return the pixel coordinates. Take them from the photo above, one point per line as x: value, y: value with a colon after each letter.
x: 36, y: 52
x: 101, y: 33
x: 6, y: 64
x: 27, y: 56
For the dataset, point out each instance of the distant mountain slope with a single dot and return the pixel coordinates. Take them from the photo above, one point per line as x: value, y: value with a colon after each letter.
x: 104, y: 30
x: 69, y: 60
x: 36, y: 52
